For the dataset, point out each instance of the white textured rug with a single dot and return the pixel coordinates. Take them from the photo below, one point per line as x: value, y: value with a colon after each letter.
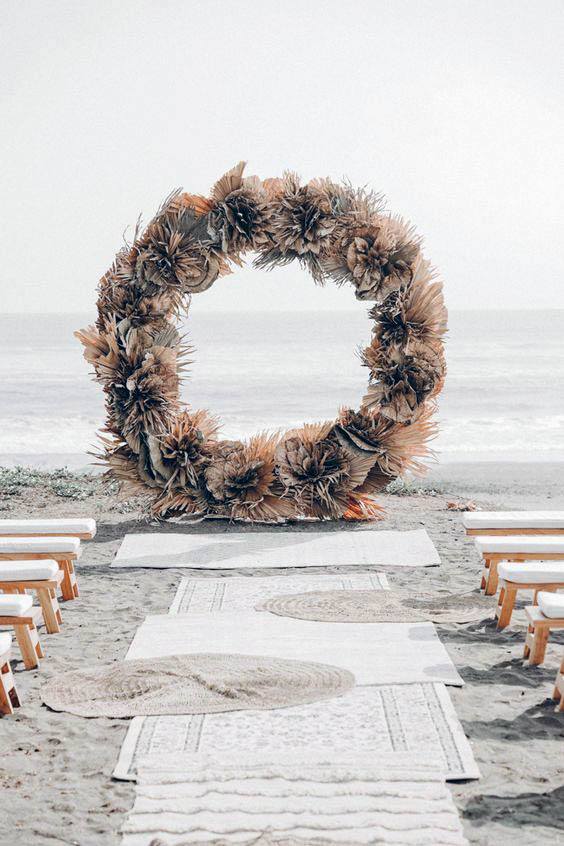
x: 260, y: 550
x: 396, y: 800
x: 240, y: 593
x: 415, y: 718
x: 375, y: 653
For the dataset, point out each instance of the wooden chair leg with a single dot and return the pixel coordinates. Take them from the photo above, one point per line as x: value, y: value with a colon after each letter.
x: 485, y: 574
x: 558, y: 694
x: 69, y: 586
x: 529, y: 639
x: 540, y: 641
x: 50, y: 609
x: 9, y: 698
x: 491, y: 582
x: 505, y: 609
x: 30, y: 647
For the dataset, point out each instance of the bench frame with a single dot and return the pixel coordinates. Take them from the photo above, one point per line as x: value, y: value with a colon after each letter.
x: 502, y: 532
x: 80, y: 535
x: 9, y: 698
x: 65, y: 560
x: 491, y: 560
x: 25, y: 629
x: 537, y: 635
x: 46, y: 593
x: 508, y: 595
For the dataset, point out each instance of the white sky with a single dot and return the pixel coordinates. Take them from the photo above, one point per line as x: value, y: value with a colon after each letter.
x: 453, y: 109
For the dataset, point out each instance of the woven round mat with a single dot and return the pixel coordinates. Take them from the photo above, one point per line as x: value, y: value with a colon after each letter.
x: 267, y: 838
x: 343, y: 606
x: 193, y: 684
x: 378, y: 606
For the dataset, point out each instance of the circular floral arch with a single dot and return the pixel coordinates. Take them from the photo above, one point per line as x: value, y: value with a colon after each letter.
x: 158, y: 446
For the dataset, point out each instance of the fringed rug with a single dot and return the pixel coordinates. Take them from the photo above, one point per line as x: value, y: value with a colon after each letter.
x: 263, y: 550
x: 395, y: 800
x: 193, y: 684
x: 415, y: 718
x: 375, y: 653
x: 242, y: 593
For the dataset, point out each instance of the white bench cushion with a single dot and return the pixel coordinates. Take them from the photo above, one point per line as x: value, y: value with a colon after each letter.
x: 5, y: 642
x: 512, y: 520
x: 40, y: 545
x: 520, y: 543
x: 48, y: 527
x: 537, y: 571
x: 551, y: 604
x: 20, y: 571
x: 15, y: 604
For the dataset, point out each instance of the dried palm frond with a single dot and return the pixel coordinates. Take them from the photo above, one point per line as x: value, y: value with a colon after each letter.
x: 173, y: 255
x: 240, y: 222
x: 377, y: 258
x: 185, y: 449
x: 241, y: 479
x: 230, y: 181
x: 300, y: 226
x: 402, y: 382
x: 361, y: 507
x: 415, y: 312
x: 143, y: 394
x: 122, y: 464
x: 318, y: 472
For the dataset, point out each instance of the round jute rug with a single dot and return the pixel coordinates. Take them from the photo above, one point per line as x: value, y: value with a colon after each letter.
x: 378, y: 606
x: 201, y: 683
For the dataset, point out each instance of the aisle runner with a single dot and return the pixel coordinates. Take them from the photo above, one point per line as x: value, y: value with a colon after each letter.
x: 416, y: 718
x: 232, y: 550
x: 375, y: 653
x: 396, y: 800
x: 242, y: 593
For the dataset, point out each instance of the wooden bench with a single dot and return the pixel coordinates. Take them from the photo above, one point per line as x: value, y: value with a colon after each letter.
x: 517, y: 548
x: 547, y: 615
x: 513, y: 523
x: 43, y: 577
x: 19, y: 612
x: 83, y: 528
x: 64, y: 550
x: 9, y: 698
x: 544, y: 576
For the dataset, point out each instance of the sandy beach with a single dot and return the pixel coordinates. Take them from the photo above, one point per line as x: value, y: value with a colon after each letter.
x: 55, y: 768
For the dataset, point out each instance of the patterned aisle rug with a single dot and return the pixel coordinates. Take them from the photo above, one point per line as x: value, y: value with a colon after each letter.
x: 242, y: 593
x: 263, y: 550
x: 395, y: 800
x: 415, y: 718
x: 375, y: 653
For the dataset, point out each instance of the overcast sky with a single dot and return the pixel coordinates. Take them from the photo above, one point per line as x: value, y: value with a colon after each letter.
x: 453, y: 109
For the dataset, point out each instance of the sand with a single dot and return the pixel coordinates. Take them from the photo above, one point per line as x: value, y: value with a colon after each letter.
x: 55, y: 768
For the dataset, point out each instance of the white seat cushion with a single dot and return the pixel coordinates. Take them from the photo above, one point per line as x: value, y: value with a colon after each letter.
x: 14, y: 571
x: 40, y: 545
x: 15, y: 604
x: 537, y: 571
x: 5, y: 642
x: 511, y: 520
x: 520, y: 543
x: 551, y: 604
x: 48, y: 527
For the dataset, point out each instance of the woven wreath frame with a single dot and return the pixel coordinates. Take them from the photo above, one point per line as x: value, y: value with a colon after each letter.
x: 157, y: 446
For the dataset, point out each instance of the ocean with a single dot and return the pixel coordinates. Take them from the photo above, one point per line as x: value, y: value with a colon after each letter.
x: 503, y: 399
